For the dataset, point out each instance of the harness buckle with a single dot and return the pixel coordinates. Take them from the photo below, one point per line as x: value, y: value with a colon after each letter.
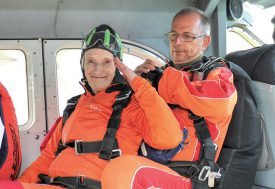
x: 108, y: 154
x: 212, y: 176
x: 123, y: 96
x: 216, y: 148
x: 78, y: 146
x: 116, y: 153
x: 82, y: 181
x: 204, y: 173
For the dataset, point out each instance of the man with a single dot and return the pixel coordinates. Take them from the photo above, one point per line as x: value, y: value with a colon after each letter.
x: 195, y: 95
x: 76, y: 154
x: 213, y: 98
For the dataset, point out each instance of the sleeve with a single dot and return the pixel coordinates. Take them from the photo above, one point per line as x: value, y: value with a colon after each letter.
x: 159, y: 127
x: 44, y: 161
x: 213, y: 98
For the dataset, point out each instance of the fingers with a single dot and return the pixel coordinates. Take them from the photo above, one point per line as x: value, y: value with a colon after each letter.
x: 147, y: 66
x: 121, y: 67
x: 127, y: 72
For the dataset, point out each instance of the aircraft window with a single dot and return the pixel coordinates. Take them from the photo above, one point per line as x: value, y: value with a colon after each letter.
x: 13, y: 77
x: 69, y: 72
x: 260, y: 21
x: 237, y: 39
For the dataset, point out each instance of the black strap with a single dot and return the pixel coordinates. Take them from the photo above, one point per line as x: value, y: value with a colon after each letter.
x: 109, y: 140
x: 203, y: 134
x: 82, y: 147
x: 71, y: 182
x: 71, y: 104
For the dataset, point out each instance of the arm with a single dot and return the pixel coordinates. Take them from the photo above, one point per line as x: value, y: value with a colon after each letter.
x: 213, y: 98
x: 44, y: 161
x: 160, y: 129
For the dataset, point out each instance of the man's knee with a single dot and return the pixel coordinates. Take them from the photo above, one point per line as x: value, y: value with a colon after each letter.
x: 10, y: 184
x: 139, y: 172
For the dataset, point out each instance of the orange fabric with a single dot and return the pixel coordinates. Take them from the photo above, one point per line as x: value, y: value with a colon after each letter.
x: 39, y: 186
x: 10, y: 149
x: 146, y: 117
x: 135, y: 172
x: 213, y: 98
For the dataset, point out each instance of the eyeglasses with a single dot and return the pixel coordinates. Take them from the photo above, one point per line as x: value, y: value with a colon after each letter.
x: 183, y: 37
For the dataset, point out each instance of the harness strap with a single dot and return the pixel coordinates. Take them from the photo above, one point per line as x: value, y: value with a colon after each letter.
x: 71, y: 104
x: 203, y: 135
x: 80, y: 182
x: 109, y: 140
x: 82, y: 147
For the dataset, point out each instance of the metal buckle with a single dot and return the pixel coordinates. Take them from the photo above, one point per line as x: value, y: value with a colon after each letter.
x: 218, y: 174
x: 82, y: 181
x: 116, y: 151
x: 51, y: 180
x: 216, y: 146
x: 76, y: 142
x: 203, y: 175
x: 123, y: 96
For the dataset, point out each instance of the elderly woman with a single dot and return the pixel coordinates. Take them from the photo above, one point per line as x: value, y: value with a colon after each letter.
x: 107, y: 121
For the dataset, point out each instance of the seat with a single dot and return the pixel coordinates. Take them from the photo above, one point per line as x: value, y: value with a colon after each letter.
x: 259, y: 64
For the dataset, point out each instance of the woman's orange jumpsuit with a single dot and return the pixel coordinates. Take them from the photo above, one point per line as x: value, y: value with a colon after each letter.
x: 147, y: 117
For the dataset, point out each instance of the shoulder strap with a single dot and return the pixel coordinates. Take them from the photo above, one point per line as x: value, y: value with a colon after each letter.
x: 71, y: 104
x: 109, y: 140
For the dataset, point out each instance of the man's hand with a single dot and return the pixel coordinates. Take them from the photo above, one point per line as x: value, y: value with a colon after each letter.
x: 147, y: 66
x: 127, y: 72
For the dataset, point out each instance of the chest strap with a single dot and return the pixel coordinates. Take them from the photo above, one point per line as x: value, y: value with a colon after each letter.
x: 108, y: 147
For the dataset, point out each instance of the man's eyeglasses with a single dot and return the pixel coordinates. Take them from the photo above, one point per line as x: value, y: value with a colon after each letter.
x: 183, y: 37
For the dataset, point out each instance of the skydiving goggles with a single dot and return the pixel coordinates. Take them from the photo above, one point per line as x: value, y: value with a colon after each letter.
x: 103, y: 39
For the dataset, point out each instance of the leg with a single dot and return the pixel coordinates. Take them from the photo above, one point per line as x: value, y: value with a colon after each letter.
x: 135, y: 172
x: 23, y: 185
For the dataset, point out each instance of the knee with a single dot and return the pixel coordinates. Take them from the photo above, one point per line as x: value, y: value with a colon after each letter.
x: 10, y: 184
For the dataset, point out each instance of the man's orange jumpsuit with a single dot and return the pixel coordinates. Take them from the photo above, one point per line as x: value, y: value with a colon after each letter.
x: 147, y: 117
x: 213, y: 98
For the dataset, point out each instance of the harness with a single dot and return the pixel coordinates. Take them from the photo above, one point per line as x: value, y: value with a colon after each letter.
x: 205, y: 171
x: 107, y: 148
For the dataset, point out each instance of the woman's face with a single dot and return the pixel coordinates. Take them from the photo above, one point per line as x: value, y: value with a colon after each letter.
x: 99, y: 68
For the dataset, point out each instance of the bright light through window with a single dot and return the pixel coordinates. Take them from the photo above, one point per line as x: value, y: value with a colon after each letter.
x: 13, y: 77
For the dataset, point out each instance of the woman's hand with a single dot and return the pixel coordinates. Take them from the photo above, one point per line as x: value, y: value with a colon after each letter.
x: 127, y: 72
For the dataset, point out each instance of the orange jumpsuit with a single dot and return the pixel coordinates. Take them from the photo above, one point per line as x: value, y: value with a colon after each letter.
x: 147, y: 117
x: 213, y: 98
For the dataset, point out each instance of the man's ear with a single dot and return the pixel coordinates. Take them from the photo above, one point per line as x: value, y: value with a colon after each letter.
x: 206, y: 42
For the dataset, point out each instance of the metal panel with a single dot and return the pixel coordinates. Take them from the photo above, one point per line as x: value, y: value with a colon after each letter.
x: 218, y: 26
x: 51, y: 47
x: 32, y: 133
x: 71, y: 18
